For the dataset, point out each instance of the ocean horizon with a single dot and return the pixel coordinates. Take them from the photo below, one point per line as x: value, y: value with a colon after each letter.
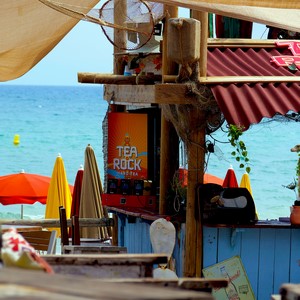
x: 65, y: 119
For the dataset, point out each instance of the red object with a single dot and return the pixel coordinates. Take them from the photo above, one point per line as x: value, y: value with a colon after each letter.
x: 23, y: 188
x: 117, y: 200
x: 76, y: 199
x: 76, y: 193
x: 208, y: 178
x: 245, y: 103
x: 230, y: 180
x: 183, y: 176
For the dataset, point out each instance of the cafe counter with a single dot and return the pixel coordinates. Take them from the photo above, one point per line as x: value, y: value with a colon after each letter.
x: 269, y: 249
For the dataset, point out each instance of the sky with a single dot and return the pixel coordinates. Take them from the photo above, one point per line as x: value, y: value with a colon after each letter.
x: 84, y: 49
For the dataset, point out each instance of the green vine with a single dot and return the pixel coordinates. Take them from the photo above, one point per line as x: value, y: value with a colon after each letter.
x: 298, y: 173
x: 240, y: 153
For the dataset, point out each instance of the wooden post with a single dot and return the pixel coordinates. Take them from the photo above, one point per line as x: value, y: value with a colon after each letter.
x: 119, y: 8
x: 168, y: 133
x: 196, y: 157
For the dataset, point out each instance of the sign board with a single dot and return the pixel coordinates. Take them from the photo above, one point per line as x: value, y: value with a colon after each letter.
x: 238, y: 288
x: 286, y: 60
x: 127, y: 146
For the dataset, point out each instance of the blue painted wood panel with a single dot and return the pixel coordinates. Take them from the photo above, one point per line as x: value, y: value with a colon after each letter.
x: 249, y: 255
x: 229, y: 243
x: 270, y: 256
x: 210, y: 246
x: 295, y: 256
x: 282, y: 258
x: 266, y: 264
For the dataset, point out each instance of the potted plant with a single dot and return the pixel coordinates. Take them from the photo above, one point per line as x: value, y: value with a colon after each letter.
x: 295, y: 210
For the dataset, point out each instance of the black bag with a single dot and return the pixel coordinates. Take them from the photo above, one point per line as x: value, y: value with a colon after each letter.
x: 220, y: 205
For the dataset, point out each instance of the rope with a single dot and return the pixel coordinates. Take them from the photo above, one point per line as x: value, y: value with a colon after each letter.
x: 77, y: 14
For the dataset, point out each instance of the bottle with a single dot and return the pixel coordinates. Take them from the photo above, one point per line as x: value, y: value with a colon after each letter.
x: 127, y: 71
x: 231, y: 290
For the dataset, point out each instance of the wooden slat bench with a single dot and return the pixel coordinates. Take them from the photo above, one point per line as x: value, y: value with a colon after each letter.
x: 106, y: 265
x: 92, y: 249
x: 197, y: 284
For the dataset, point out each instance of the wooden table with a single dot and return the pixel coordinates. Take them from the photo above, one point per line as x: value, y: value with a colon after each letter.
x: 25, y: 284
x: 106, y: 265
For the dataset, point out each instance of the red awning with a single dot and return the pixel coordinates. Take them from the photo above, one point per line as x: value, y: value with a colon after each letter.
x: 245, y: 104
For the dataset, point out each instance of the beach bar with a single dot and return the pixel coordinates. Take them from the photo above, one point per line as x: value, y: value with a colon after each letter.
x: 174, y: 81
x: 201, y: 82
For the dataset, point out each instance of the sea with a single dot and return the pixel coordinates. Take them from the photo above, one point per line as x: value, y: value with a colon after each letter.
x: 53, y: 120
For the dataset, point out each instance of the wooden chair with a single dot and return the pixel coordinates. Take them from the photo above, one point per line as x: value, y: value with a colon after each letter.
x: 41, y: 240
x: 63, y: 226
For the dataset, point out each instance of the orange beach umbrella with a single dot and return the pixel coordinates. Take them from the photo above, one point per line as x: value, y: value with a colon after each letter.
x: 209, y: 178
x: 23, y: 188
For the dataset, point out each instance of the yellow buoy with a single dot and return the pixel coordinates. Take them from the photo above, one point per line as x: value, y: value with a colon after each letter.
x: 16, y: 139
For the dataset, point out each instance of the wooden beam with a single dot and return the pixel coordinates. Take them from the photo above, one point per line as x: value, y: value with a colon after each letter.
x: 168, y: 153
x: 53, y: 223
x: 236, y: 43
x: 248, y: 79
x: 151, y: 94
x: 123, y: 94
x: 99, y: 78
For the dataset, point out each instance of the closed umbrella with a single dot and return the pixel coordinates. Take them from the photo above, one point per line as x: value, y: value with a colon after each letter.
x: 77, y: 192
x: 59, y: 193
x: 90, y: 200
x: 76, y: 195
x: 245, y: 182
x: 230, y: 180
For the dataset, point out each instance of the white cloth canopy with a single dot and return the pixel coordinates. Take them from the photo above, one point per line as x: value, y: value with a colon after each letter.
x: 283, y: 14
x: 29, y: 29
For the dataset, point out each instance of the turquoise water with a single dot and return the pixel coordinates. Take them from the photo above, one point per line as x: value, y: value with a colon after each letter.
x: 52, y: 120
x: 49, y: 120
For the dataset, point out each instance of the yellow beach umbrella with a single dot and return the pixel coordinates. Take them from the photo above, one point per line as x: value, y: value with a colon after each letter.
x: 59, y: 193
x: 245, y: 183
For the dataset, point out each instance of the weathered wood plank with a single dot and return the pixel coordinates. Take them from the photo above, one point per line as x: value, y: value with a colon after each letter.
x: 183, y: 283
x: 106, y: 265
x: 235, y: 43
x: 25, y: 284
x: 174, y: 93
x: 92, y: 248
x: 248, y: 79
x: 107, y: 259
x: 53, y: 223
x: 126, y: 94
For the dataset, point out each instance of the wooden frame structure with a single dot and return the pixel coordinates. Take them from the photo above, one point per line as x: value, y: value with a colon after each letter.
x: 123, y: 90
